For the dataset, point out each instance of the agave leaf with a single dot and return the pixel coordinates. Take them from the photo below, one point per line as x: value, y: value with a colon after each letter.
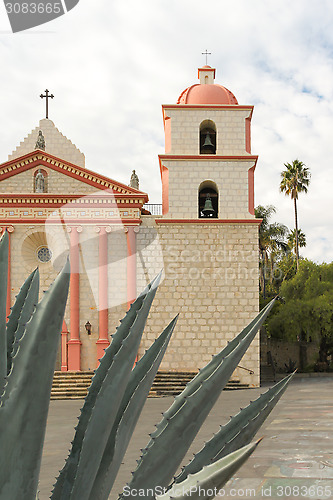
x: 238, y: 432
x: 235, y: 341
x: 21, y: 312
x: 204, y: 484
x: 182, y: 421
x: 24, y: 408
x: 4, y: 244
x: 130, y: 409
x: 102, y: 402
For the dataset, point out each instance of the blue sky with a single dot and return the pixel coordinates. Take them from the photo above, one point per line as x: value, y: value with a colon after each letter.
x: 112, y: 64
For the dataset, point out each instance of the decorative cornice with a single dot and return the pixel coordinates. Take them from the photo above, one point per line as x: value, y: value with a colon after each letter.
x: 208, y: 106
x: 56, y: 201
x: 130, y: 221
x: 208, y: 221
x: 202, y: 157
x: 97, y: 207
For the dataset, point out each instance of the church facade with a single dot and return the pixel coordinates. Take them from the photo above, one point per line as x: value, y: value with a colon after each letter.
x: 205, y: 239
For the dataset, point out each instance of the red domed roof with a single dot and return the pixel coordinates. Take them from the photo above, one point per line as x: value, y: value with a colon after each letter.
x: 207, y: 93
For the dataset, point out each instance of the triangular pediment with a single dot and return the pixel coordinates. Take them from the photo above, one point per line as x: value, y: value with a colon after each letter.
x: 40, y: 159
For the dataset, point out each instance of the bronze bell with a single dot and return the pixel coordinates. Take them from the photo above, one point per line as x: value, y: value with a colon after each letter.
x: 208, y: 146
x: 208, y: 209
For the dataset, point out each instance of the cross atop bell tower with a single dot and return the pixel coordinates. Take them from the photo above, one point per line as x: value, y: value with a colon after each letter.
x: 206, y: 54
x: 207, y: 169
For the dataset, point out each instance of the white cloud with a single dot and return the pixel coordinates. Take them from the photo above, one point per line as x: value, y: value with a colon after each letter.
x: 112, y: 64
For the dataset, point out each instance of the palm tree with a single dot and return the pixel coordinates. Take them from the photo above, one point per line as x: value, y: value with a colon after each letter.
x: 295, y: 179
x: 271, y: 240
x: 292, y: 240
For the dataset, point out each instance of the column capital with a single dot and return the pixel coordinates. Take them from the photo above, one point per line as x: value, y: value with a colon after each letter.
x: 10, y: 229
x: 100, y: 229
x: 78, y: 229
x: 136, y: 229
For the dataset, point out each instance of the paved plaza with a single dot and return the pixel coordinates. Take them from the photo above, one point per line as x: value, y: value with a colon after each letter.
x: 294, y: 460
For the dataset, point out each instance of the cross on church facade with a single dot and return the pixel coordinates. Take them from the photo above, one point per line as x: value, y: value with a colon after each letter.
x: 206, y: 54
x: 47, y: 96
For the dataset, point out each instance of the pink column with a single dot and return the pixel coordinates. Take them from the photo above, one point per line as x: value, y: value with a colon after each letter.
x: 10, y: 230
x: 131, y: 265
x: 64, y: 356
x: 103, y: 341
x: 74, y: 344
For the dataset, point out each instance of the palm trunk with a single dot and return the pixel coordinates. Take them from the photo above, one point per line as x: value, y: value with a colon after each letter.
x: 296, y: 229
x: 265, y: 267
x: 272, y: 270
x: 262, y: 272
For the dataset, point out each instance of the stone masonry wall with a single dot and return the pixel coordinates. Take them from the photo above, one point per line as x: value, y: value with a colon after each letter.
x: 57, y: 183
x: 231, y: 178
x: 208, y: 278
x: 230, y: 126
x: 55, y: 143
x: 300, y: 353
x: 211, y: 280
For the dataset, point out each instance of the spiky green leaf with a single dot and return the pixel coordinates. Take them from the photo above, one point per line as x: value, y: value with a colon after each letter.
x: 183, y: 419
x: 4, y: 244
x: 135, y: 396
x: 102, y: 403
x: 239, y: 431
x: 203, y: 484
x: 21, y: 312
x: 24, y: 408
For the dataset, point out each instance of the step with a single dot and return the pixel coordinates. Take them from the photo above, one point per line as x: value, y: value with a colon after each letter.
x: 267, y: 374
x: 232, y: 387
x: 75, y: 385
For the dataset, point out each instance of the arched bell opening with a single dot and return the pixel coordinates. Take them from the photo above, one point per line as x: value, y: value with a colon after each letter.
x: 208, y: 137
x: 208, y: 200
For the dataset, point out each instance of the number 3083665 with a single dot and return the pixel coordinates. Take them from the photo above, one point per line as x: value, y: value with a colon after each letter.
x: 304, y: 491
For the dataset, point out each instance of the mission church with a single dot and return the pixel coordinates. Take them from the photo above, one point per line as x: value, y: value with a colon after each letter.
x: 205, y: 236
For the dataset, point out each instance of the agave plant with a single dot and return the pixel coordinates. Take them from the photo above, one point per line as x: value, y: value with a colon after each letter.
x: 114, y: 402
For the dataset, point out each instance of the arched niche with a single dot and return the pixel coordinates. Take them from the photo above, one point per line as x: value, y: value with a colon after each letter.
x: 208, y: 200
x: 207, y: 137
x: 40, y: 183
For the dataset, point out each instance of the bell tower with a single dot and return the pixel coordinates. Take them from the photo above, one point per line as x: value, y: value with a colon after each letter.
x: 208, y: 231
x: 207, y: 169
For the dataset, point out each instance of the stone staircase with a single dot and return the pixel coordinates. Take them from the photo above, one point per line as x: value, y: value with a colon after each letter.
x: 267, y: 369
x: 267, y: 374
x: 74, y: 385
x: 71, y: 385
x: 170, y: 383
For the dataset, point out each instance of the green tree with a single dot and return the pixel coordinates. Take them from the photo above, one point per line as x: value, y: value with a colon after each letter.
x: 285, y: 268
x: 295, y: 179
x: 292, y: 240
x: 272, y: 240
x: 307, y: 308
